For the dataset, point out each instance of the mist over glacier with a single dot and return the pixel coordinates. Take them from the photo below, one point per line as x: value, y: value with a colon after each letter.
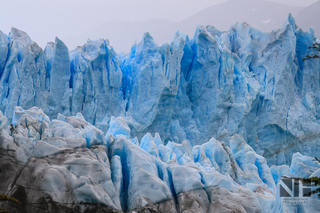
x: 220, y: 113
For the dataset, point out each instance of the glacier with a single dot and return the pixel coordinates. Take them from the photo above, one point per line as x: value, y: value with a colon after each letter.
x: 203, y: 124
x: 68, y: 164
x: 216, y: 84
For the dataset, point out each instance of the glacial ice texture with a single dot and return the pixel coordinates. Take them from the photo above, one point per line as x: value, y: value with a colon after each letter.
x: 216, y: 84
x: 70, y: 163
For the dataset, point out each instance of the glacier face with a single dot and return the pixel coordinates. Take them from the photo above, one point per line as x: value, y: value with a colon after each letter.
x: 173, y: 128
x: 67, y: 164
x: 216, y: 84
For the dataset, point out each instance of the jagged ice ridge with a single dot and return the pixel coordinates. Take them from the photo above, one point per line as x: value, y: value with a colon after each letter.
x: 163, y: 126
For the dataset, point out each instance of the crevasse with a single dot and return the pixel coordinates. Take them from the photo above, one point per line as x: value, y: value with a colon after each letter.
x: 216, y: 84
x: 208, y: 124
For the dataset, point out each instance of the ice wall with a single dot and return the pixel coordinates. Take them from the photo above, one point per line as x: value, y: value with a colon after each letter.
x: 68, y: 165
x: 216, y: 84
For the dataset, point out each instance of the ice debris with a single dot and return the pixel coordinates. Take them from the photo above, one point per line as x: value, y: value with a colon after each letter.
x: 191, y: 117
x: 127, y: 175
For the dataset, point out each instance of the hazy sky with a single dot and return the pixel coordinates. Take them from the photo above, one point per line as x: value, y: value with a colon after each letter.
x: 45, y: 19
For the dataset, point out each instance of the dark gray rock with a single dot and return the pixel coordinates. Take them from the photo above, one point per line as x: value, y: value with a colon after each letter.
x: 168, y: 206
x: 9, y: 169
x: 223, y: 200
x: 196, y: 201
x: 11, y: 206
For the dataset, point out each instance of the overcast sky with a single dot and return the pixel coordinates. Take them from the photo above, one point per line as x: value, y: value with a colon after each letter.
x: 45, y: 19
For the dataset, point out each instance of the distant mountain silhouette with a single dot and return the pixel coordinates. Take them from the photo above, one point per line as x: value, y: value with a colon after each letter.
x: 310, y: 16
x: 262, y: 15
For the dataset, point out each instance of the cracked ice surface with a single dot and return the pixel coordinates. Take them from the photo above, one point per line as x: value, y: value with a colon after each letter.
x: 72, y: 166
x: 170, y: 126
x: 216, y: 84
